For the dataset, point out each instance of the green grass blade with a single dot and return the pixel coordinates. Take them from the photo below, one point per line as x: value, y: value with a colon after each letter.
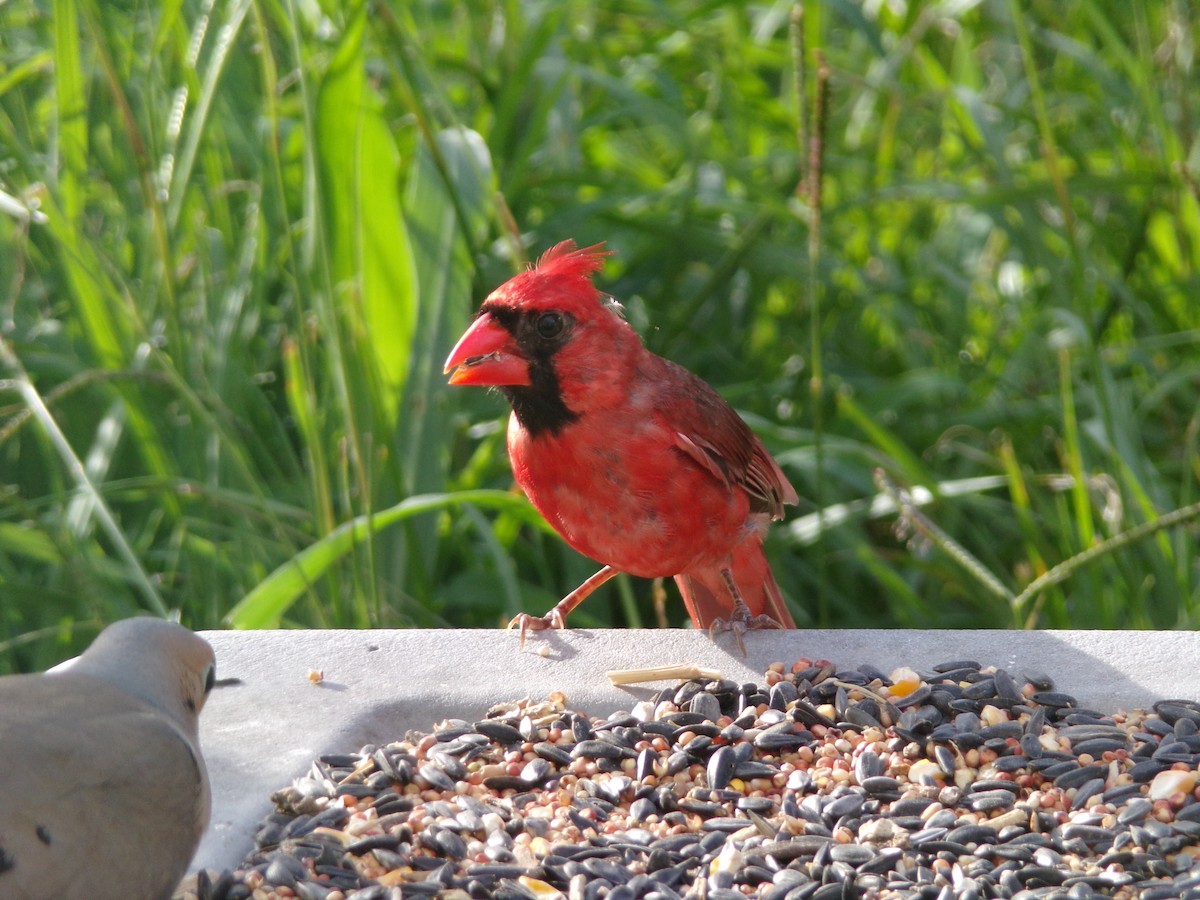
x: 442, y: 243
x: 21, y: 540
x: 199, y: 118
x: 915, y: 472
x: 136, y: 574
x: 371, y: 260
x: 70, y: 93
x: 265, y: 606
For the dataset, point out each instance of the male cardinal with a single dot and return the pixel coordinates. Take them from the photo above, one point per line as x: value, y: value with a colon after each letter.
x: 634, y: 460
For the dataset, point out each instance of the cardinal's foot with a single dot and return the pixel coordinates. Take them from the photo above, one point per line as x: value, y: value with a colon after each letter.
x: 526, y: 623
x: 740, y: 622
x: 740, y: 618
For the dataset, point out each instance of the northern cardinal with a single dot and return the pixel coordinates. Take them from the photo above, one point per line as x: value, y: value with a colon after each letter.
x: 634, y: 460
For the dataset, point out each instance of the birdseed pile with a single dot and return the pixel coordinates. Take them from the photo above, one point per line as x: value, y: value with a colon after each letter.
x: 960, y: 782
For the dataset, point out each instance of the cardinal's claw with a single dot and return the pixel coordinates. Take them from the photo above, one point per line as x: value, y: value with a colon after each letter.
x: 740, y: 619
x: 739, y: 623
x: 735, y: 626
x: 557, y: 617
x: 527, y: 623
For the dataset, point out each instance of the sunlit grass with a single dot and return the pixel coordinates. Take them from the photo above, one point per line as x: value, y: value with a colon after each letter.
x: 265, y: 225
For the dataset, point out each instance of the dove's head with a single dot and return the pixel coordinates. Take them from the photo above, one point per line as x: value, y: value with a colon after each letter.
x: 166, y: 665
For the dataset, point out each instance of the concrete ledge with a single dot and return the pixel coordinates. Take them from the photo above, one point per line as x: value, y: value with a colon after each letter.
x: 259, y: 735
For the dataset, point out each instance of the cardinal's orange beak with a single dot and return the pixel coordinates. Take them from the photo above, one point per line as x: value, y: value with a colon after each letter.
x: 486, y: 355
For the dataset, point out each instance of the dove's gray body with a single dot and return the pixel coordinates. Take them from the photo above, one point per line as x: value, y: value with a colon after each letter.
x: 103, y: 791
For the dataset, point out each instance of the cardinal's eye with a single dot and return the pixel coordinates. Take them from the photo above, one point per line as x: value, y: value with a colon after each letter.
x: 550, y: 325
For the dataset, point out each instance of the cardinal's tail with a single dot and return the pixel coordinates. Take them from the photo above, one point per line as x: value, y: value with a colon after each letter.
x: 707, y: 598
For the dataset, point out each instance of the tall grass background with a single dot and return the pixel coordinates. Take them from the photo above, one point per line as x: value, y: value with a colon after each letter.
x: 240, y: 237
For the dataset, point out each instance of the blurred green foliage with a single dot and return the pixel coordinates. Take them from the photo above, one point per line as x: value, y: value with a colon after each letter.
x: 261, y: 226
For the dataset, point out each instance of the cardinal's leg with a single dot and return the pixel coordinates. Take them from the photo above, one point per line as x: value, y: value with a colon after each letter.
x: 557, y: 617
x: 740, y: 618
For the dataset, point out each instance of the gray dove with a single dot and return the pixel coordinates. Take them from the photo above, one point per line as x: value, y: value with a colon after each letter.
x: 103, y: 791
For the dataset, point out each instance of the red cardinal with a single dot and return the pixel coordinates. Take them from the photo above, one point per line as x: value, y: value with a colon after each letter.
x: 634, y: 460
